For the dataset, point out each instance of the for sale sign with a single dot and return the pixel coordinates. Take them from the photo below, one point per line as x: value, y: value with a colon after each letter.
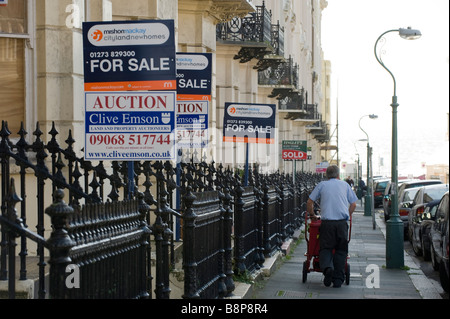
x: 294, y: 150
x: 194, y: 78
x: 249, y: 123
x: 130, y: 90
x: 129, y: 55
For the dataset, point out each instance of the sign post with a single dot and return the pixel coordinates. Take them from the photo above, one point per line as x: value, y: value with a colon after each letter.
x: 294, y: 151
x: 194, y: 87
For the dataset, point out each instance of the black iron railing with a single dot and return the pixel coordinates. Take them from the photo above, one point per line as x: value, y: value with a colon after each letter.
x: 106, y: 230
x: 283, y: 78
x: 256, y: 27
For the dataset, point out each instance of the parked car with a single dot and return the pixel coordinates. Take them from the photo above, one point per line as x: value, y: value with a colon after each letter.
x: 425, y: 194
x: 403, y: 185
x: 387, y: 198
x: 421, y: 222
x: 404, y: 206
x: 439, y: 241
x: 378, y: 191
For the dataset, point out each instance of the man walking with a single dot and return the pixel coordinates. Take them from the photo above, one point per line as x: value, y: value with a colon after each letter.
x: 337, y: 203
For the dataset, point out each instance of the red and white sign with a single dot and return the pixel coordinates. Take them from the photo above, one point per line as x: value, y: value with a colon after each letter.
x: 294, y: 155
x: 322, y: 167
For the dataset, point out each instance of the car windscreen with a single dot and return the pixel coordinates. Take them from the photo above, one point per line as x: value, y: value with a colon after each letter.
x: 434, y: 193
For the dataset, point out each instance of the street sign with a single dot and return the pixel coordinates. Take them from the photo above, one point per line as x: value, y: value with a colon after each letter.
x: 130, y: 90
x: 294, y: 150
x: 194, y: 82
x: 249, y: 123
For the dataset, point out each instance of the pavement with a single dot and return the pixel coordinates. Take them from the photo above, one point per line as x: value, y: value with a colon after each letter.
x: 281, y: 276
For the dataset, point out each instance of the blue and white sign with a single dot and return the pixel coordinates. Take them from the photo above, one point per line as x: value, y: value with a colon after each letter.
x: 130, y: 125
x: 129, y: 55
x: 194, y: 72
x: 249, y: 123
x: 130, y: 90
x: 194, y: 78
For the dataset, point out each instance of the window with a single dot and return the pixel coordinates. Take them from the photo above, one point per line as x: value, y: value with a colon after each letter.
x: 14, y: 22
x: 381, y: 186
x: 433, y: 194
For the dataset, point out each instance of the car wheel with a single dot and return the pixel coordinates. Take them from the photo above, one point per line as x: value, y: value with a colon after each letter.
x: 433, y: 259
x: 425, y: 252
x: 417, y: 250
x: 443, y: 276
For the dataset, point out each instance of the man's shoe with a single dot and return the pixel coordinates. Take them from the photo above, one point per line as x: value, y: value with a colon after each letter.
x: 328, y: 276
x: 337, y: 284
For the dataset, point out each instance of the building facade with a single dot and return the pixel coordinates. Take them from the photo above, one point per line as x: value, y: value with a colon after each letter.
x: 41, y: 63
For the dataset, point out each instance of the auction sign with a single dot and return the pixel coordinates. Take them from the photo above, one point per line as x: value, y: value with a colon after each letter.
x: 194, y: 80
x: 130, y: 90
x: 294, y: 150
x: 249, y: 123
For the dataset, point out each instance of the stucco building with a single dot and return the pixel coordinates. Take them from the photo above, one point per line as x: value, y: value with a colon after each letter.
x: 41, y: 63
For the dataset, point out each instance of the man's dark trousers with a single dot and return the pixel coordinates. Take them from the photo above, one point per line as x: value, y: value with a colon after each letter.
x: 334, y: 236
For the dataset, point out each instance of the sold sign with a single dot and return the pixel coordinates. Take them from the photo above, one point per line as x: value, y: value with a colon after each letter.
x: 294, y: 150
x: 293, y: 155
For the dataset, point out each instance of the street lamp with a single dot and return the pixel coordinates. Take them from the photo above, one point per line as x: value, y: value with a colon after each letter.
x: 394, y: 226
x: 368, y: 201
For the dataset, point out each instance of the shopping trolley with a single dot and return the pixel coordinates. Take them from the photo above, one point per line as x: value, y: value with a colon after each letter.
x: 312, y: 233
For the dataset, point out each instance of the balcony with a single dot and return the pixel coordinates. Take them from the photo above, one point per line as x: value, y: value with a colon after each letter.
x: 283, y: 79
x: 256, y: 35
x: 292, y: 106
x: 309, y: 114
x: 320, y: 131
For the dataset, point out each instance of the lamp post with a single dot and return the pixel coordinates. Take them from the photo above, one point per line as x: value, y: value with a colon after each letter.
x: 394, y: 226
x: 368, y: 201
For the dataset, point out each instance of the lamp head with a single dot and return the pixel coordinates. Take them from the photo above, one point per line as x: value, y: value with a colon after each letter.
x: 409, y: 34
x: 373, y: 116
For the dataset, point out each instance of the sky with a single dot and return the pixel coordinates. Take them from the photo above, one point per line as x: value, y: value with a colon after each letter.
x: 361, y: 86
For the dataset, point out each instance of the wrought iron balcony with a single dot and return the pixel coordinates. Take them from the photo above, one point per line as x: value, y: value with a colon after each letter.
x: 278, y: 39
x: 256, y: 35
x: 274, y: 58
x: 283, y: 79
x: 320, y: 131
x: 293, y: 105
x: 308, y: 115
